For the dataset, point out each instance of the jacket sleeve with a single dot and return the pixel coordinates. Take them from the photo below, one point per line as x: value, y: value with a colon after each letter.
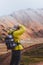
x: 20, y: 31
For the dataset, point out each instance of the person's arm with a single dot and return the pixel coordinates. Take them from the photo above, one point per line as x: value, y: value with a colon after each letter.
x: 20, y: 31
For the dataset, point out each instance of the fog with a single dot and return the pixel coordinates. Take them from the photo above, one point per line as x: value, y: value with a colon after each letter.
x: 9, y: 6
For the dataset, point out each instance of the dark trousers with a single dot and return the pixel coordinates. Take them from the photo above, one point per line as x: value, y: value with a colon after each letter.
x: 15, y: 59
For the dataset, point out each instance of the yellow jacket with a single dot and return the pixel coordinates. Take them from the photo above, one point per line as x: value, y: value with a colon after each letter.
x: 16, y: 35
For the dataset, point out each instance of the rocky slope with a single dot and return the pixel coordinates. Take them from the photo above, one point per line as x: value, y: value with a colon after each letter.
x: 31, y: 19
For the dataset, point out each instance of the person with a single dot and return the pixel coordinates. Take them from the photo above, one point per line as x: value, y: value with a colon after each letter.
x: 18, y: 30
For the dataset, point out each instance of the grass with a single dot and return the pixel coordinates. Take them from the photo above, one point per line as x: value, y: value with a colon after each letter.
x: 32, y: 56
x: 27, y: 60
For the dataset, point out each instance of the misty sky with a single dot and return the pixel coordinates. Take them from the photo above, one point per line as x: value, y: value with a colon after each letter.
x: 9, y: 6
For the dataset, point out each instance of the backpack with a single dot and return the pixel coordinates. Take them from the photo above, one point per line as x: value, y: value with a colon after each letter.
x: 9, y: 41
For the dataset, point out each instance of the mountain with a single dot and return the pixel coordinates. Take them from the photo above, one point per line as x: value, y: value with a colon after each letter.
x: 32, y: 19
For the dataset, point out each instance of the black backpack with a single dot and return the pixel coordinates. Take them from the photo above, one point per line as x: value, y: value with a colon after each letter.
x: 10, y: 42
